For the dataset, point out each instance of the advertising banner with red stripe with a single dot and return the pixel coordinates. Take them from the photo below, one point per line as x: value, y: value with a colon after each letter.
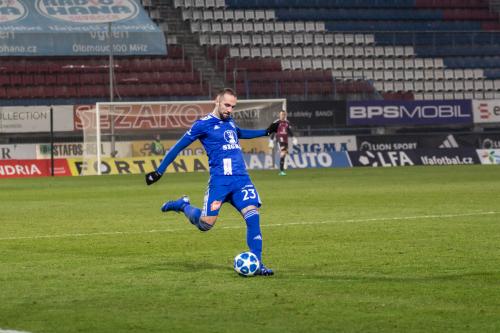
x: 486, y: 111
x: 33, y: 168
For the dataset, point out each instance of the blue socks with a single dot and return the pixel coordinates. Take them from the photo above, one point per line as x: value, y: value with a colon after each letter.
x: 252, y: 219
x: 193, y: 214
x: 254, y: 237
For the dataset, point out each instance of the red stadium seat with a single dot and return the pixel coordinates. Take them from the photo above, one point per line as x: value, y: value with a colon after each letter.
x: 4, y: 79
x: 38, y: 92
x: 27, y: 79
x: 16, y: 79
x: 62, y: 78
x: 48, y: 91
x: 50, y: 79
x: 166, y: 90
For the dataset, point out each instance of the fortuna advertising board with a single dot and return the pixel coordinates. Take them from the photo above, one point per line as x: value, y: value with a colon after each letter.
x: 446, y: 112
x: 77, y: 27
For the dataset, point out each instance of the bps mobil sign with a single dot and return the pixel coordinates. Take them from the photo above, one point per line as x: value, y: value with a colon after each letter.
x: 409, y: 112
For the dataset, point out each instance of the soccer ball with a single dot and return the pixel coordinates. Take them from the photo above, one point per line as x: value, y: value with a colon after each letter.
x: 246, y: 264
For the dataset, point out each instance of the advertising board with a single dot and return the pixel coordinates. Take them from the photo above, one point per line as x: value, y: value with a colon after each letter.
x: 422, y: 112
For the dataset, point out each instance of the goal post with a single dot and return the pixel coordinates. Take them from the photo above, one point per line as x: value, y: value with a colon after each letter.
x: 109, y: 127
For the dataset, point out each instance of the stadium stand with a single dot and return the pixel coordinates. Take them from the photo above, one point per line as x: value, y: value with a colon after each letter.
x: 88, y: 77
x: 421, y: 49
x: 340, y: 49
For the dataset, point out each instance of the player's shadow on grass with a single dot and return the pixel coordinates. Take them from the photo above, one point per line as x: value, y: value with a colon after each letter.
x: 186, y: 266
x: 391, y: 278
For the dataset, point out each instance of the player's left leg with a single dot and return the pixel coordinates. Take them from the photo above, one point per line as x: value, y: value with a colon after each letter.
x: 246, y: 199
x: 254, y: 235
x: 283, y: 153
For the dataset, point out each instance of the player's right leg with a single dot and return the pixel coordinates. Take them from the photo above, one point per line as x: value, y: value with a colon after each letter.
x: 204, y: 219
x: 176, y: 205
x: 191, y: 212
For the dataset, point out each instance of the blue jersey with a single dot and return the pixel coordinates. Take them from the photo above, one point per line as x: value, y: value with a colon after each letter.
x: 220, y: 138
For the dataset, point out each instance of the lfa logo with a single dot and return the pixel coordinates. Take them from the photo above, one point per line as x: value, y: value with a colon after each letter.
x: 385, y: 159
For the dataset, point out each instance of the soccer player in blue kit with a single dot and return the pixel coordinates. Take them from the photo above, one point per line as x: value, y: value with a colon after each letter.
x: 229, y: 179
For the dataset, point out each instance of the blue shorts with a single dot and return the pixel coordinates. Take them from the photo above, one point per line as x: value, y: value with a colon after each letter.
x: 239, y: 191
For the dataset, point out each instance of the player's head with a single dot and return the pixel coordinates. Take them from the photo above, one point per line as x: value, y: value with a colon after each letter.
x: 225, y: 101
x: 282, y: 115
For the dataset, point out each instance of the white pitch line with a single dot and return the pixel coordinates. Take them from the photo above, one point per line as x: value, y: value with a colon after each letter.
x: 112, y: 233
x: 11, y: 331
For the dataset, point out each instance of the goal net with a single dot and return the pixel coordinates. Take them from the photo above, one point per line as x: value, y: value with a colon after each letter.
x: 110, y: 129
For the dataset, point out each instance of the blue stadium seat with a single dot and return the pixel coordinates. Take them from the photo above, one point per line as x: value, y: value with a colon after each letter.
x: 357, y: 14
x: 464, y: 51
x: 320, y: 3
x: 402, y: 26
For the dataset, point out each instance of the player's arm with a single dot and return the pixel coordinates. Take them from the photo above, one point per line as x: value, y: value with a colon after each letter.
x: 170, y: 156
x: 289, y: 129
x: 290, y: 133
x: 250, y: 134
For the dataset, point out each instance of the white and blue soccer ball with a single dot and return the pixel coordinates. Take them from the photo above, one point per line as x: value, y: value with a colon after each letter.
x: 246, y: 264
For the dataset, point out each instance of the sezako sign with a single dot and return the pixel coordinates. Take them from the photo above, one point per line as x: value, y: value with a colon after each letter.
x: 409, y: 112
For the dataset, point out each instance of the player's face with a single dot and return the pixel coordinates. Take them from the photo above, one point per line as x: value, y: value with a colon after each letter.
x: 225, y: 106
x: 282, y: 115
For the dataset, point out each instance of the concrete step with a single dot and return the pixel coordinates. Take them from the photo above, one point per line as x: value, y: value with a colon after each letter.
x: 190, y: 42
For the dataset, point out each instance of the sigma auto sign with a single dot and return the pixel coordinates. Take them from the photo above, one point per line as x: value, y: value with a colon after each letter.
x: 88, y: 11
x: 486, y: 111
x: 317, y: 144
x: 409, y: 112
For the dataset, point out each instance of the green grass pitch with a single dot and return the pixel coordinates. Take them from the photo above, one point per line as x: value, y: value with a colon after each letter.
x: 413, y: 249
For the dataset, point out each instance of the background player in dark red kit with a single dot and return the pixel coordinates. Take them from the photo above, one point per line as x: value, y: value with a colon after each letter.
x: 283, y: 133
